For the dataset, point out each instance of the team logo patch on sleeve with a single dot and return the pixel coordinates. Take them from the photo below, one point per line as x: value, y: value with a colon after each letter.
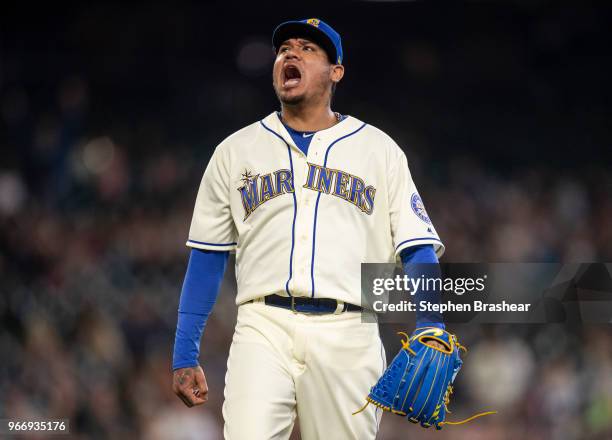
x: 419, y: 208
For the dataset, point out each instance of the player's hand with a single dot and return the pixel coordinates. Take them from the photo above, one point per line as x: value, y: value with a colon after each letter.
x: 436, y: 344
x: 190, y: 385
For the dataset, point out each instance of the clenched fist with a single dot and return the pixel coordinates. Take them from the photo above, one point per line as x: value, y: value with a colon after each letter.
x: 190, y: 385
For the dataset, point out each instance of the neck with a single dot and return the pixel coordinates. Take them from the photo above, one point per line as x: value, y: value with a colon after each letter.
x: 310, y: 118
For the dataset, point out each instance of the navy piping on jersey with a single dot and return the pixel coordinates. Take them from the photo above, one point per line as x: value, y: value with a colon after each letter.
x: 418, y: 239
x: 314, y: 229
x: 212, y: 244
x: 294, y: 207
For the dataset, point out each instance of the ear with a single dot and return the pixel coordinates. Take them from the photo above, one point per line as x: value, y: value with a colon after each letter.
x: 337, y: 72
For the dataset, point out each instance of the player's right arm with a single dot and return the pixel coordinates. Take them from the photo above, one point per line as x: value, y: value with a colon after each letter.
x: 198, y: 296
x: 211, y: 236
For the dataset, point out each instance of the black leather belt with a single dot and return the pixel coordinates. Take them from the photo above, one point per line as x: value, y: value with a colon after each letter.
x: 308, y: 305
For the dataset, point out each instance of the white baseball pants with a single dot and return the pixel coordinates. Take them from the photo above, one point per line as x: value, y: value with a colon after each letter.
x: 317, y: 367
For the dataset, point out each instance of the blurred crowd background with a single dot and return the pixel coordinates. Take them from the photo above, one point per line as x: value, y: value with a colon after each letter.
x: 109, y: 113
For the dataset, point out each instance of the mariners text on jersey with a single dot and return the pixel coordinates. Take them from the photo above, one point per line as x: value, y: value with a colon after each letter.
x: 258, y: 189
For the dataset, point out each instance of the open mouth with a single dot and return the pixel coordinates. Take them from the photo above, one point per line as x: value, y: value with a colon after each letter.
x: 291, y: 76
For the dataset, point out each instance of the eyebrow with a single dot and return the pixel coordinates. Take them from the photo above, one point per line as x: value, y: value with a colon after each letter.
x: 300, y: 40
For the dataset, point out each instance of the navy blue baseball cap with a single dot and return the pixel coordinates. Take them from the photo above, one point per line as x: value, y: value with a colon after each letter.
x: 314, y: 29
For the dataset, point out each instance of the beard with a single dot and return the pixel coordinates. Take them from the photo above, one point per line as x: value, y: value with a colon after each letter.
x: 290, y: 100
x: 286, y: 98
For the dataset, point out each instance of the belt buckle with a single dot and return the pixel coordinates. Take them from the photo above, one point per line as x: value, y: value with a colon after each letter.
x: 293, y: 304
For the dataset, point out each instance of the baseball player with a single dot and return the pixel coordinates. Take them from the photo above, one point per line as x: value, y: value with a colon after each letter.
x: 303, y: 197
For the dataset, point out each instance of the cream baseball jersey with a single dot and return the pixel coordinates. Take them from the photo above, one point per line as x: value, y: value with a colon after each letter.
x: 301, y: 225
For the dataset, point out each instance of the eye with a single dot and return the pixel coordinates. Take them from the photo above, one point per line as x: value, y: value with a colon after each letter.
x: 283, y: 49
x: 309, y: 48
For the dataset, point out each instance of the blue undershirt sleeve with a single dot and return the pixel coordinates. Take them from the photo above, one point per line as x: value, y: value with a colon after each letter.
x: 422, y: 261
x: 200, y: 289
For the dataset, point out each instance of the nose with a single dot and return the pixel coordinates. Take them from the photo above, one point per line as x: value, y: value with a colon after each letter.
x: 291, y: 53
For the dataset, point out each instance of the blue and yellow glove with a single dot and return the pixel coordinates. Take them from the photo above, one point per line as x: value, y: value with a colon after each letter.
x: 418, y: 383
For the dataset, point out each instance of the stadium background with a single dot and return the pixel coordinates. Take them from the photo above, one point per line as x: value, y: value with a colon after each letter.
x: 109, y: 113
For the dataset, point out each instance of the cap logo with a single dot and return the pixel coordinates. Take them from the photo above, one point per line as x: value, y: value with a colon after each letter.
x: 313, y: 21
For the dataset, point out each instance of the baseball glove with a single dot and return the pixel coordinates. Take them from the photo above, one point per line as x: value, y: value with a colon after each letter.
x: 418, y: 383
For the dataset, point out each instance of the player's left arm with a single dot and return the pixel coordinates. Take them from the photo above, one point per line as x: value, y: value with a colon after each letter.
x: 421, y: 262
x: 414, y: 237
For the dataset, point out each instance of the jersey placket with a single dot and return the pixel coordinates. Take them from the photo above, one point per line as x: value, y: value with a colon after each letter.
x: 301, y: 283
